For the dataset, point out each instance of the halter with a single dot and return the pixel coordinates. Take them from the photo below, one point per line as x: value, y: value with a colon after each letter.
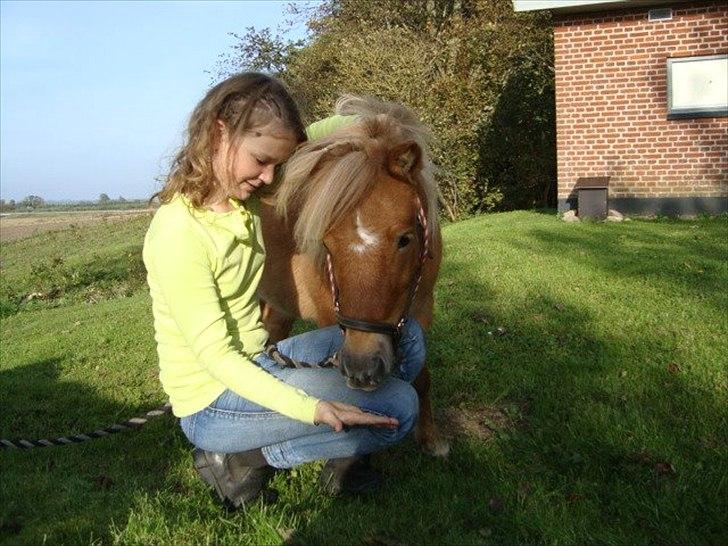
x: 384, y: 327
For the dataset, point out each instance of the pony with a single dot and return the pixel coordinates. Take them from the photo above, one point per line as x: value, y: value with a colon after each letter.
x: 352, y: 236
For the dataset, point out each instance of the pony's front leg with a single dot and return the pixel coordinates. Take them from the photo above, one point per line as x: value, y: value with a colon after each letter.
x: 426, y: 431
x: 276, y: 323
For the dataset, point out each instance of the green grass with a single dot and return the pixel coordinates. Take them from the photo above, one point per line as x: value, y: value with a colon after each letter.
x: 90, y: 264
x: 600, y: 416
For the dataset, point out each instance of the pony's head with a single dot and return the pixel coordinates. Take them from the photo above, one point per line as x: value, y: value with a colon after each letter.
x: 365, y: 207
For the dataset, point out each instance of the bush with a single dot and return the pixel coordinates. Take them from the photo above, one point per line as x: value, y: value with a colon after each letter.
x: 477, y: 73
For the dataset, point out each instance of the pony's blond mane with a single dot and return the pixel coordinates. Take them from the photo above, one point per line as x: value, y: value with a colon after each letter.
x: 326, y: 178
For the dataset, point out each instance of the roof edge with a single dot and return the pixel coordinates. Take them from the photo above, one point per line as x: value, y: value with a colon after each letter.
x: 581, y: 6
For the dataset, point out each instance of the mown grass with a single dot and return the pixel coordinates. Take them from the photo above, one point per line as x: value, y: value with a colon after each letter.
x: 581, y: 368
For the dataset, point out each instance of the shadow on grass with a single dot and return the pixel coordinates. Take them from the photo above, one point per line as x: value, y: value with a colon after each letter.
x: 84, y: 486
x: 609, y: 444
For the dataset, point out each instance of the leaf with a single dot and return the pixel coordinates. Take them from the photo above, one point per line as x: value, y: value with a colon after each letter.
x: 574, y: 497
x: 524, y: 489
x: 664, y: 468
x: 102, y: 481
x: 480, y: 316
x: 495, y: 505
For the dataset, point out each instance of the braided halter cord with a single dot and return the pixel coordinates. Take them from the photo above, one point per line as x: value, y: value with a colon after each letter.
x: 383, y: 327
x: 133, y: 423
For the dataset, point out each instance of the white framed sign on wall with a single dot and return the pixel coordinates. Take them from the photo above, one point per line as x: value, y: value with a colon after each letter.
x: 697, y: 86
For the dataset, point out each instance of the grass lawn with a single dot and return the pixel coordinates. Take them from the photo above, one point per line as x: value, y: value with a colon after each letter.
x: 581, y: 369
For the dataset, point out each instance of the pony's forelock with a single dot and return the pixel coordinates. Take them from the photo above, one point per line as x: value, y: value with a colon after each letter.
x: 326, y: 178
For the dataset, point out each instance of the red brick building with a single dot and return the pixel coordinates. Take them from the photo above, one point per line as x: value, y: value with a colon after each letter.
x: 642, y: 98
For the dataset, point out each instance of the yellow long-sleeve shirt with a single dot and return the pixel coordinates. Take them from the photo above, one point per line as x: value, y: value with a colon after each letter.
x: 203, y: 270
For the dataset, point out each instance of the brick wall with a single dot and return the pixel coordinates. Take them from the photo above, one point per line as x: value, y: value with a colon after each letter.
x: 611, y: 103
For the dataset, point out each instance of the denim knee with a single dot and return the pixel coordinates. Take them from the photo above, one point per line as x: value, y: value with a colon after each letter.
x: 404, y: 405
x: 412, y: 350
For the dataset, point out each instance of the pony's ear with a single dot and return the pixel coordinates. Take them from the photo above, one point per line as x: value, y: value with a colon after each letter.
x: 404, y: 159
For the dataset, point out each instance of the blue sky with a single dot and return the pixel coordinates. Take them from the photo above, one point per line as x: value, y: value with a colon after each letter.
x: 94, y: 96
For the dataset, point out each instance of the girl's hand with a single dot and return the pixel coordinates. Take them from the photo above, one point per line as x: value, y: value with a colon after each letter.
x: 338, y: 414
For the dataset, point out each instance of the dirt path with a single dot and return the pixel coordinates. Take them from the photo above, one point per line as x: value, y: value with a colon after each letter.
x: 19, y: 226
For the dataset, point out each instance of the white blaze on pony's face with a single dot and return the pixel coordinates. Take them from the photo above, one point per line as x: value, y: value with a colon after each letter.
x: 369, y: 239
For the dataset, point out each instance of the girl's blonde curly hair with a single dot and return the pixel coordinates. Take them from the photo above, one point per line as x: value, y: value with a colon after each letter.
x: 241, y: 102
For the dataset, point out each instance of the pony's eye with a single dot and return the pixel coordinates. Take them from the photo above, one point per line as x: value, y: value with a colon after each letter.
x: 403, y: 241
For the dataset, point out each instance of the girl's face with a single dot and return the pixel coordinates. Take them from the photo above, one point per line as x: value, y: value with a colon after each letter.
x: 244, y: 166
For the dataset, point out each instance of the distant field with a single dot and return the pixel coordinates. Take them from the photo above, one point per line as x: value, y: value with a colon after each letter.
x: 16, y: 226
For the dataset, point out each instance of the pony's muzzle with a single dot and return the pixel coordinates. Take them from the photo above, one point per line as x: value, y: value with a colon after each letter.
x: 366, y: 369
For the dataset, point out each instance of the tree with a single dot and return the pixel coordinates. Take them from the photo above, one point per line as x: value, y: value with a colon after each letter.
x: 258, y: 50
x: 32, y: 201
x: 477, y: 73
x: 7, y: 206
x: 104, y: 199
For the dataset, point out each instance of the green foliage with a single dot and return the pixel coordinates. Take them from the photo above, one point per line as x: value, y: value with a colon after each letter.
x: 32, y: 202
x: 258, y: 50
x: 477, y: 73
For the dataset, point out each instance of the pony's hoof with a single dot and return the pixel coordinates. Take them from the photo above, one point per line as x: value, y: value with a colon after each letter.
x: 434, y: 445
x: 437, y: 448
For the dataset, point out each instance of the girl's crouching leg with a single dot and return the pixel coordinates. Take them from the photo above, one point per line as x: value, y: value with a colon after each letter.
x: 402, y: 403
x: 395, y: 398
x: 411, y: 351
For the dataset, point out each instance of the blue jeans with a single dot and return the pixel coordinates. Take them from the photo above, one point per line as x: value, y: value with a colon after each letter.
x: 232, y: 424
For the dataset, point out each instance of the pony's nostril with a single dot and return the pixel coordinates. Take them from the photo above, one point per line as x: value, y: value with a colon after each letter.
x: 379, y: 367
x: 377, y: 364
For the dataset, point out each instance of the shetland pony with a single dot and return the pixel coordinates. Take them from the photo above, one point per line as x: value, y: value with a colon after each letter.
x: 351, y: 234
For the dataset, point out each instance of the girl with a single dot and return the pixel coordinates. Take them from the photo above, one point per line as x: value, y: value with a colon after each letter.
x: 204, y: 256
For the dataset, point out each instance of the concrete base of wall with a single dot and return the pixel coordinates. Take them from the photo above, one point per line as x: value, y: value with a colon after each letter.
x: 664, y: 206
